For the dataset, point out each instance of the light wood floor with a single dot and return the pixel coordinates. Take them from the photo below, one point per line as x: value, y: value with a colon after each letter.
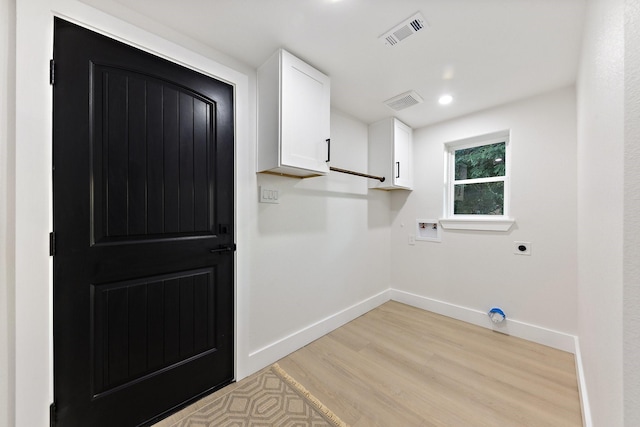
x: 402, y: 366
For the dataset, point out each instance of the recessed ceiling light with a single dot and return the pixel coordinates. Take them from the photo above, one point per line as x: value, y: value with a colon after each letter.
x: 445, y: 99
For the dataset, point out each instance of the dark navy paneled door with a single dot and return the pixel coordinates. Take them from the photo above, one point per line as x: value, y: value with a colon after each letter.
x: 143, y: 224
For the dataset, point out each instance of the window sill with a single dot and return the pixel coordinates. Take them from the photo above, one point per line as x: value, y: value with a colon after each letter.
x: 481, y: 224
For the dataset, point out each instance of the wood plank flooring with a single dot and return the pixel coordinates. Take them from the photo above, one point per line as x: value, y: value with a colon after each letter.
x: 401, y: 366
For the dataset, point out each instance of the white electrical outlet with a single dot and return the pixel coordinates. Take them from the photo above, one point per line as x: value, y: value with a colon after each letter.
x: 412, y: 239
x: 269, y: 195
x: 522, y: 248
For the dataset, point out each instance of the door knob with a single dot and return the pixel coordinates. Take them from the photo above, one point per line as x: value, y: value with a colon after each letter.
x: 227, y: 248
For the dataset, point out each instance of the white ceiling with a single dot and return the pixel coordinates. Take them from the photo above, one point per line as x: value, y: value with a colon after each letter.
x: 483, y: 52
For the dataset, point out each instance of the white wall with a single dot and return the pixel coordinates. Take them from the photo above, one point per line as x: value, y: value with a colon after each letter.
x: 7, y: 138
x: 477, y: 270
x: 316, y: 260
x: 324, y: 248
x: 321, y: 256
x: 631, y: 291
x: 600, y: 206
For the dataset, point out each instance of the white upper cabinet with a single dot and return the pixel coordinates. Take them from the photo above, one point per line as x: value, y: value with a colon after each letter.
x: 293, y: 117
x: 390, y: 154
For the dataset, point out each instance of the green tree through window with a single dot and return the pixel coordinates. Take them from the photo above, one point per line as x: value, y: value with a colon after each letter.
x: 479, y: 180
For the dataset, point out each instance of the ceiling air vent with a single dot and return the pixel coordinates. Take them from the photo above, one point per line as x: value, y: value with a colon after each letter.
x: 403, y: 30
x: 404, y: 100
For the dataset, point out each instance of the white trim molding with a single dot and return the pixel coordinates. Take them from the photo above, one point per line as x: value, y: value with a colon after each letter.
x: 33, y: 373
x: 559, y: 340
x: 481, y: 224
x: 284, y: 346
x: 587, y: 421
x: 452, y: 221
x: 275, y: 351
x: 259, y: 358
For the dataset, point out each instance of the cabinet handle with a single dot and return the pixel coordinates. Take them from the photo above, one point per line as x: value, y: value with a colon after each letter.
x: 398, y: 166
x: 328, y: 150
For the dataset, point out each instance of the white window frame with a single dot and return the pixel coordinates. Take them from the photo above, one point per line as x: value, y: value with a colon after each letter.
x: 476, y: 222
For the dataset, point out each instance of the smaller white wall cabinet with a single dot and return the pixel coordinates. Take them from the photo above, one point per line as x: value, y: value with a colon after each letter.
x: 390, y: 154
x: 293, y: 117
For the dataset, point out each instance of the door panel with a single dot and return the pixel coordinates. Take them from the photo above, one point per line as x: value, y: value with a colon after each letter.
x: 138, y: 330
x: 143, y: 192
x: 149, y: 186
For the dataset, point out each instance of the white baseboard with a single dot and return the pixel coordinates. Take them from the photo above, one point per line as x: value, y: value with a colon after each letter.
x: 548, y: 337
x: 537, y: 334
x: 582, y: 387
x: 275, y: 351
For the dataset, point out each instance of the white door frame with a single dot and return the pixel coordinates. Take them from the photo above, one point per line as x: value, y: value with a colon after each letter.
x: 33, y: 266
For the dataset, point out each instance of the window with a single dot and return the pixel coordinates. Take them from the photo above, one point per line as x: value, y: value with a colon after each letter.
x: 477, y: 183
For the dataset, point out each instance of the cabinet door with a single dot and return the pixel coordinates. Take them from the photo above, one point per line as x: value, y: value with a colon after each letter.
x: 402, y: 155
x: 305, y: 123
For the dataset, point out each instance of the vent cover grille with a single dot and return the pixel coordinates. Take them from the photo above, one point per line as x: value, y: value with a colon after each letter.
x: 403, y: 30
x: 404, y: 100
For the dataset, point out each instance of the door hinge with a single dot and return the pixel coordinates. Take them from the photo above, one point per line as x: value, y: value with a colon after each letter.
x: 52, y: 415
x: 52, y: 71
x: 52, y: 244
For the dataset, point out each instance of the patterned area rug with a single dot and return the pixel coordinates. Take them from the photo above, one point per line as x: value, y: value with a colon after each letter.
x: 270, y: 398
